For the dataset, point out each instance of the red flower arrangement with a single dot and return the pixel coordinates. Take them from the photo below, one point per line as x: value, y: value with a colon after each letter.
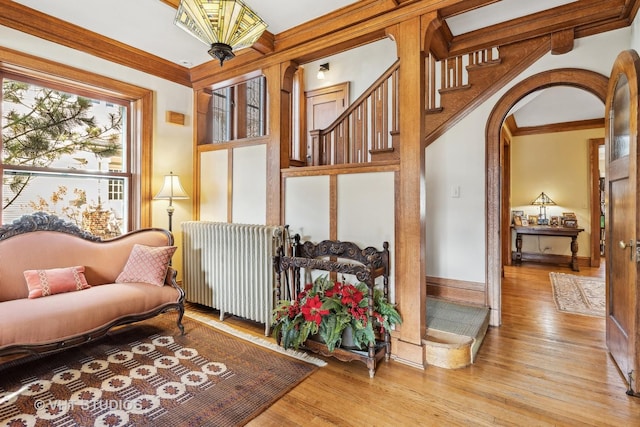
x: 326, y: 308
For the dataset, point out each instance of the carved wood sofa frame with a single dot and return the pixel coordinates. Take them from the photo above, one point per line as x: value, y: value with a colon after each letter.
x: 41, y: 221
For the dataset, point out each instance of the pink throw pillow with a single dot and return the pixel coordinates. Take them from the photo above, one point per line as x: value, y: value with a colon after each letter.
x: 42, y: 283
x: 147, y: 264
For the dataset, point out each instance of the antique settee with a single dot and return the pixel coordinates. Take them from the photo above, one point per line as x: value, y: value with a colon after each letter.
x: 61, y: 286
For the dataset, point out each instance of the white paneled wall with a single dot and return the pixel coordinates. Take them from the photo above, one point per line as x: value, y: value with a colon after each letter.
x: 250, y: 185
x: 214, y: 170
x: 307, y: 207
x: 248, y: 188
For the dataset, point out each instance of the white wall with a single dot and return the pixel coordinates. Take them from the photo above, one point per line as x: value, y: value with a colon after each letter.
x: 366, y: 217
x: 214, y: 170
x: 172, y: 144
x: 306, y: 208
x: 455, y: 226
x: 360, y: 67
x: 634, y: 42
x: 456, y: 237
x: 250, y: 185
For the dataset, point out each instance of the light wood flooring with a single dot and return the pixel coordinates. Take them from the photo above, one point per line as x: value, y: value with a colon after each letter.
x: 540, y: 368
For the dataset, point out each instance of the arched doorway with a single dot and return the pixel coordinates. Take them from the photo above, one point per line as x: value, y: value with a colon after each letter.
x: 587, y: 80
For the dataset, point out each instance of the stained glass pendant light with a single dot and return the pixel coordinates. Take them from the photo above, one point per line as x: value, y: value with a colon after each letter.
x: 225, y: 25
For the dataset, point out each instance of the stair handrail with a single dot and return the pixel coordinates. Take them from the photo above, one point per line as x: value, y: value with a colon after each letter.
x: 366, y: 94
x: 319, y: 148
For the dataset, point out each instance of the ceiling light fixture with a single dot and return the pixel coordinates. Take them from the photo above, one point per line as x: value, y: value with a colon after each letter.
x: 321, y: 71
x: 225, y: 25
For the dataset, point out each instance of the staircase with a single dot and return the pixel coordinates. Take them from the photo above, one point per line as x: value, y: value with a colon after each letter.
x: 368, y: 132
x: 454, y: 333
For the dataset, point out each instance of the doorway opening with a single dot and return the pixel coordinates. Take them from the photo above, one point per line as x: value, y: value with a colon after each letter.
x: 498, y: 224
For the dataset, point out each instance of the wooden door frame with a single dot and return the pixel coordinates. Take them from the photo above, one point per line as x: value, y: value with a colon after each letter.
x: 506, y: 198
x: 590, y: 81
x: 594, y: 190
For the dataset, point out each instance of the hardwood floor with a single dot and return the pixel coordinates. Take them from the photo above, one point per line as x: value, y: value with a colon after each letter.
x: 540, y: 368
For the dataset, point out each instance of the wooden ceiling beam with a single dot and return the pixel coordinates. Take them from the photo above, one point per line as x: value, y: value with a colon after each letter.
x: 572, y: 15
x: 555, y: 127
x: 22, y: 18
x: 468, y: 5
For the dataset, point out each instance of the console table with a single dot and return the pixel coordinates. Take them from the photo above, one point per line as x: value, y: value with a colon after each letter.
x: 546, y: 230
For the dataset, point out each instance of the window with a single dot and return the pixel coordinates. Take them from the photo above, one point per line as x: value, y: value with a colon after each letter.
x: 239, y: 111
x: 221, y: 115
x: 65, y: 153
x: 255, y: 107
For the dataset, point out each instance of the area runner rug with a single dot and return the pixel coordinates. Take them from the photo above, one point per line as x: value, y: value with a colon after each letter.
x: 147, y: 374
x: 579, y: 294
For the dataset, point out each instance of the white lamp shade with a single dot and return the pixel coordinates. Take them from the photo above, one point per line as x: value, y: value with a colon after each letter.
x: 171, y: 188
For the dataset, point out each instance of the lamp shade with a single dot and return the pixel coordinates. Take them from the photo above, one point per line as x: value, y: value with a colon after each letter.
x: 322, y: 70
x: 225, y: 25
x: 543, y: 200
x: 171, y: 188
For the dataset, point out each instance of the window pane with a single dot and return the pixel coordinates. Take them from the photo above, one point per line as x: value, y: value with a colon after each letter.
x: 255, y: 107
x: 53, y: 143
x: 221, y: 115
x: 620, y: 116
x: 43, y: 127
x: 239, y: 111
x: 84, y: 200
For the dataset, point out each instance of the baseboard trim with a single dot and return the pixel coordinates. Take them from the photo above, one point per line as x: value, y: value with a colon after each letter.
x: 457, y: 290
x: 564, y: 260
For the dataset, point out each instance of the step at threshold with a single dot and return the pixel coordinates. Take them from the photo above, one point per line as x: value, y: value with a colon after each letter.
x: 454, y: 333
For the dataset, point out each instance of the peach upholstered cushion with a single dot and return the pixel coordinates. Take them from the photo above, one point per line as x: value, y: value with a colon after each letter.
x: 147, y: 264
x: 42, y: 283
x: 71, y: 314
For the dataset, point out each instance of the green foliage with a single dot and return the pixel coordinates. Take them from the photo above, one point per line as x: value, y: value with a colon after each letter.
x: 45, y: 124
x: 326, y: 308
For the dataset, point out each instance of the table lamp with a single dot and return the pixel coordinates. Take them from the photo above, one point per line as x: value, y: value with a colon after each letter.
x: 543, y: 201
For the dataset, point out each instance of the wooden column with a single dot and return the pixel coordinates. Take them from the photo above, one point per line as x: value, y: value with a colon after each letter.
x: 203, y: 131
x: 279, y: 94
x: 410, y: 203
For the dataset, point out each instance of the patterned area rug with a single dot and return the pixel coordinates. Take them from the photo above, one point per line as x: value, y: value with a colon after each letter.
x: 146, y: 374
x: 579, y: 294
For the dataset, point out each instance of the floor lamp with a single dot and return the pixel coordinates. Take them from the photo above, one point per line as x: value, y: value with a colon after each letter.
x: 171, y: 190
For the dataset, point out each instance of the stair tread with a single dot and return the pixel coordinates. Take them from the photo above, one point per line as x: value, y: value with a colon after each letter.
x: 455, y: 318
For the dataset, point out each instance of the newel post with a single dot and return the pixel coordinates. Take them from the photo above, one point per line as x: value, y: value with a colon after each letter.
x: 410, y: 205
